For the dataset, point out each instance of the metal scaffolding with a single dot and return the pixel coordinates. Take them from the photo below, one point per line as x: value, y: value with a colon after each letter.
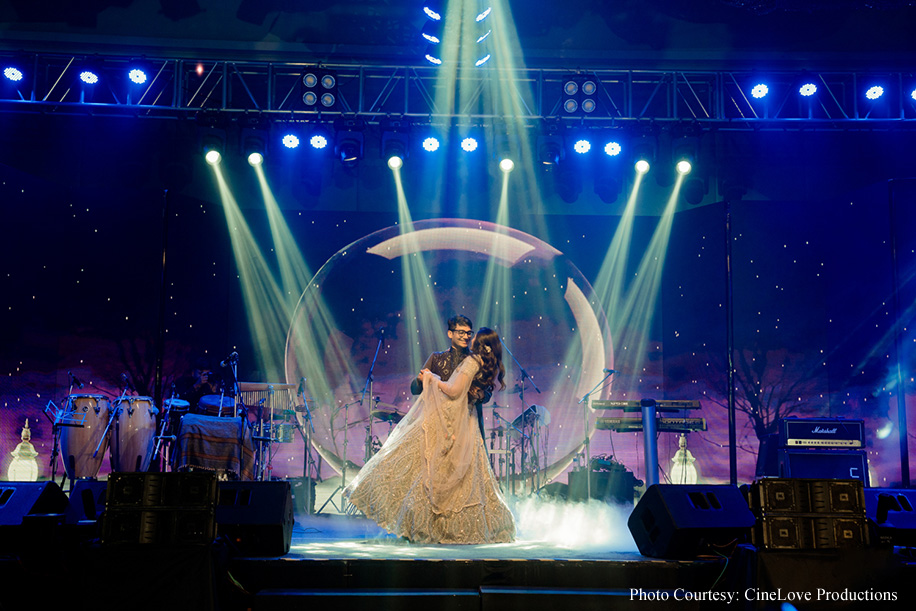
x: 177, y: 88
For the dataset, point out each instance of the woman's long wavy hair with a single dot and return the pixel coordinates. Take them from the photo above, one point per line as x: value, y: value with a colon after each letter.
x: 490, y: 350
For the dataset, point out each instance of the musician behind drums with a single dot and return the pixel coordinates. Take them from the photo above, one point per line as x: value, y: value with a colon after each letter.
x: 199, y: 382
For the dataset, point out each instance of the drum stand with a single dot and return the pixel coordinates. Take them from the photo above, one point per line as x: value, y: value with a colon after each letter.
x: 114, y: 417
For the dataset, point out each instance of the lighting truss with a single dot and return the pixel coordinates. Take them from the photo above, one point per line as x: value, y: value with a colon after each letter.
x: 709, y: 99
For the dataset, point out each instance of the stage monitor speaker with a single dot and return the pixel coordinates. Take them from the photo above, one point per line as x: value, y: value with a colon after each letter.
x: 19, y: 500
x: 87, y: 501
x: 256, y: 517
x: 893, y: 514
x: 824, y: 464
x: 680, y: 521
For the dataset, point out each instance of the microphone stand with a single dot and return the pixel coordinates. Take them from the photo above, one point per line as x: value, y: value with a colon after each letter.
x: 523, y: 375
x: 588, y: 458
x: 307, y: 439
x: 343, y: 469
x: 367, y: 387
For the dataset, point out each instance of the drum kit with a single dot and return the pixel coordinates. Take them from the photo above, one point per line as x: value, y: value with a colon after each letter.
x: 90, y: 425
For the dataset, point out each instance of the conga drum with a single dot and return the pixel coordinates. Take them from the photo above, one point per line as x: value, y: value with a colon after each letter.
x: 133, y: 433
x: 82, y: 427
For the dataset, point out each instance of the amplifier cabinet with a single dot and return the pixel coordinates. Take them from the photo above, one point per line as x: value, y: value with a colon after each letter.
x: 824, y: 464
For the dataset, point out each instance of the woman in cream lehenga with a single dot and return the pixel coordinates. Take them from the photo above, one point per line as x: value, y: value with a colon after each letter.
x: 431, y: 482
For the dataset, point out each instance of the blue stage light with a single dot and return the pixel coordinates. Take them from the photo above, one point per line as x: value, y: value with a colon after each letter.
x: 760, y: 90
x: 12, y: 73
x: 290, y: 141
x: 318, y: 141
x: 432, y: 13
x: 913, y: 94
x: 89, y: 77
x: 642, y: 166
x: 808, y: 89
x: 582, y: 146
x: 431, y: 144
x: 469, y: 144
x: 874, y: 92
x: 612, y: 148
x: 137, y: 76
x: 683, y: 167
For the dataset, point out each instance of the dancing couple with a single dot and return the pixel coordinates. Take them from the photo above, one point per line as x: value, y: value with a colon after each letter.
x: 431, y: 482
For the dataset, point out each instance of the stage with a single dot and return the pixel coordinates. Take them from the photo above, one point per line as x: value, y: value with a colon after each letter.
x: 567, y: 554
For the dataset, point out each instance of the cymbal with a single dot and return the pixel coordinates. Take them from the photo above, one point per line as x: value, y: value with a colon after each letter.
x: 386, y: 415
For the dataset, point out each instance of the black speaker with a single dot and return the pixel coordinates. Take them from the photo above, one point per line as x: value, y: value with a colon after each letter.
x: 19, y: 500
x: 87, y: 501
x: 679, y: 521
x: 256, y: 517
x: 893, y: 515
x: 824, y: 464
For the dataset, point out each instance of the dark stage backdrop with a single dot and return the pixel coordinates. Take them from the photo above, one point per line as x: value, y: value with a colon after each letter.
x: 819, y: 327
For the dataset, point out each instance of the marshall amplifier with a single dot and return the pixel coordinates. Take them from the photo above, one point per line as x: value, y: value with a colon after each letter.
x: 821, y: 433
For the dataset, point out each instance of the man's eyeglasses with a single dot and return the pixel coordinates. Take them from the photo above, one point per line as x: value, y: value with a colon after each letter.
x: 462, y: 333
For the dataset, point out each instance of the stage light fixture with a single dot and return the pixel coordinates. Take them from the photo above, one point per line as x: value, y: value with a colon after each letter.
x: 89, y: 77
x: 684, y: 151
x: 431, y: 144
x: 319, y: 87
x: 874, y: 92
x: 582, y: 146
x: 12, y: 73
x: 643, y: 150
x: 760, y: 90
x: 608, y: 187
x: 290, y: 141
x: 580, y: 94
x: 469, y: 144
x: 349, y: 140
x: 318, y: 141
x: 432, y: 32
x: 506, y: 165
x: 550, y: 148
x: 808, y: 89
x: 137, y: 76
x: 434, y: 10
x: 613, y: 148
x: 254, y: 142
x: 394, y: 148
x: 568, y: 184
x: 212, y: 136
x: 694, y: 190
